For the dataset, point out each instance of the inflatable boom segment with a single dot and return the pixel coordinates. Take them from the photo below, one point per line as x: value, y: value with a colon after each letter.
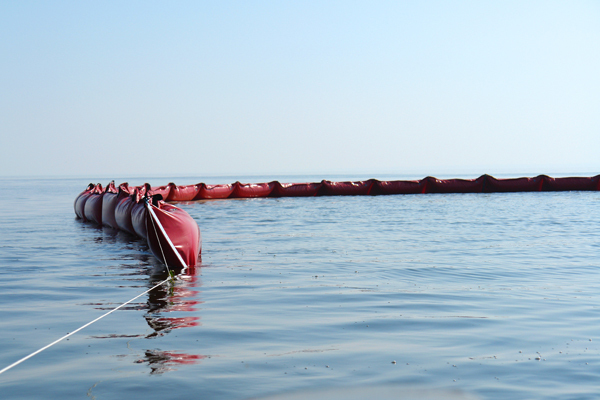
x: 171, y: 233
x: 174, y: 237
x: 483, y: 184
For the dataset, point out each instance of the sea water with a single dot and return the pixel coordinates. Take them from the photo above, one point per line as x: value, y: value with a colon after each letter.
x: 488, y: 296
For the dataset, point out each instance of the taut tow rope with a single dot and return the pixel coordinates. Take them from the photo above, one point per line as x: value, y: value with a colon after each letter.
x: 122, y: 305
x: 80, y: 328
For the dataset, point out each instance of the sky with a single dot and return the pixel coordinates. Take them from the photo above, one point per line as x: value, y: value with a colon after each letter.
x: 228, y: 88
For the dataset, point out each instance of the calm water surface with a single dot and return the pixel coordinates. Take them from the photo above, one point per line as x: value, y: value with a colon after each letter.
x: 494, y: 295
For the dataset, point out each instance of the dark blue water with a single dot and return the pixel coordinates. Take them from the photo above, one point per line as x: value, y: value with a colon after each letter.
x: 494, y: 295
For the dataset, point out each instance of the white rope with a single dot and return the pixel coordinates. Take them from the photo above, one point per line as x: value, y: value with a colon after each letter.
x: 157, y: 238
x: 80, y: 328
x: 183, y: 264
x: 115, y: 309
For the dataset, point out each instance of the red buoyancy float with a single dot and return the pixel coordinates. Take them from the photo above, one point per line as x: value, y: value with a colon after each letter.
x: 171, y: 233
x: 295, y: 189
x: 123, y: 213
x: 93, y: 205
x: 250, y: 190
x: 181, y: 193
x: 139, y: 211
x: 434, y: 185
x: 357, y: 188
x: 164, y: 191
x: 109, y: 203
x: 493, y: 185
x: 399, y: 187
x: 568, y: 184
x: 174, y: 236
x: 213, y: 192
x: 80, y: 201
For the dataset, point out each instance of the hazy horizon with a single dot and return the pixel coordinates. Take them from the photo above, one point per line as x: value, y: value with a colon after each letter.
x: 299, y: 88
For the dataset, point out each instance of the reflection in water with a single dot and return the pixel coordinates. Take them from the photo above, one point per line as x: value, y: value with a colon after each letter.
x: 175, y: 296
x: 162, y: 361
x: 164, y: 325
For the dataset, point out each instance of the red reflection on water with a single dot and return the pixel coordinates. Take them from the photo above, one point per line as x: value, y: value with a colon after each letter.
x: 162, y: 361
x: 178, y: 296
x: 164, y: 325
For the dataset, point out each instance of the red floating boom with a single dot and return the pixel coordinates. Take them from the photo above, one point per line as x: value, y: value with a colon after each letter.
x: 171, y: 233
x: 174, y: 237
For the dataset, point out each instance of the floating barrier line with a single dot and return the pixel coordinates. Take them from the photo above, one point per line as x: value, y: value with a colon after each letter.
x: 123, y: 207
x: 369, y: 187
x: 80, y: 328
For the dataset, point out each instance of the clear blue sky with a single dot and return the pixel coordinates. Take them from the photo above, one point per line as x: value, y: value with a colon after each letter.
x: 282, y: 87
